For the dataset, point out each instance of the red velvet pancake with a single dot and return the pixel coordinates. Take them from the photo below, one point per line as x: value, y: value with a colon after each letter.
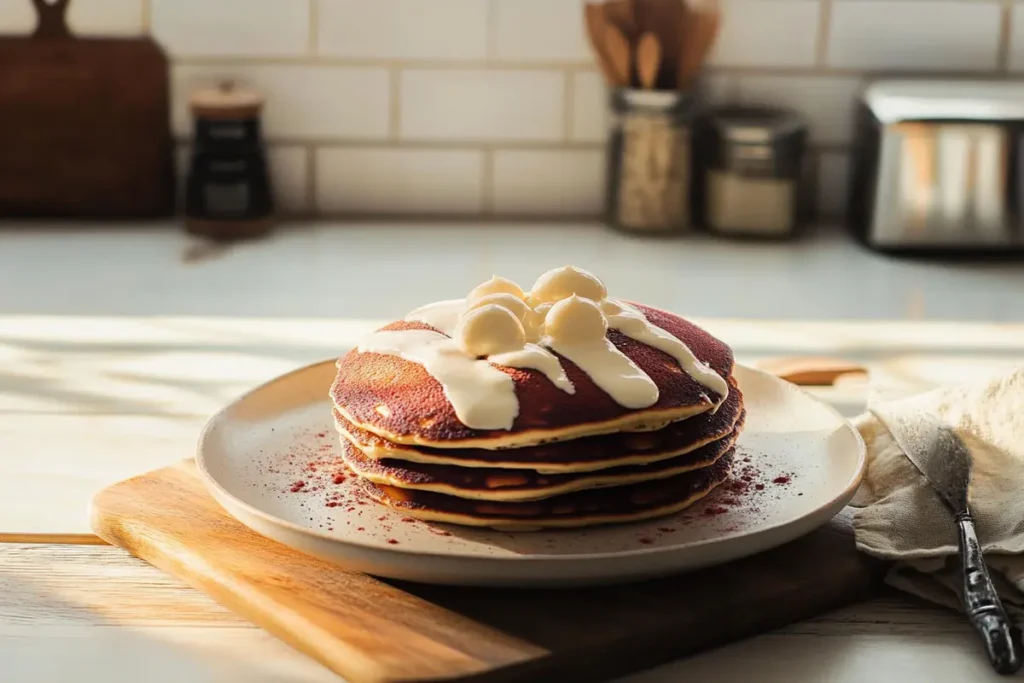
x: 583, y: 508
x: 578, y: 455
x: 399, y: 401
x: 494, y: 483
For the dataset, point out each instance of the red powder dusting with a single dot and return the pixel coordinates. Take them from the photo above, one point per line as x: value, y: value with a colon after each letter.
x: 781, y: 480
x: 332, y: 504
x: 321, y: 435
x: 382, y: 518
x: 392, y: 541
x: 408, y: 519
x: 714, y: 510
x: 759, y: 487
x: 330, y: 528
x: 666, y: 529
x: 646, y: 541
x: 298, y: 486
x: 338, y: 479
x: 361, y: 529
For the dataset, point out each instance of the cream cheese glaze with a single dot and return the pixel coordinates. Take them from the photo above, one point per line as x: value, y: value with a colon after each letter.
x: 567, y: 311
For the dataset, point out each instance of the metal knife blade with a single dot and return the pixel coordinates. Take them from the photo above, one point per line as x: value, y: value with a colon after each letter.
x: 935, y: 450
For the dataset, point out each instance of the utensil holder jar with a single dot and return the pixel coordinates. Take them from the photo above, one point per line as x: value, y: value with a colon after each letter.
x: 649, y: 161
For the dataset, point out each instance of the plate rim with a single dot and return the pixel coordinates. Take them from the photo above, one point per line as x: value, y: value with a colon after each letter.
x: 219, y: 493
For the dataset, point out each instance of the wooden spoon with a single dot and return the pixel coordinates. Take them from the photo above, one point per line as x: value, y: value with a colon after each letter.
x: 619, y: 54
x: 699, y: 34
x: 648, y: 60
x: 663, y: 18
x: 621, y: 13
x: 596, y: 23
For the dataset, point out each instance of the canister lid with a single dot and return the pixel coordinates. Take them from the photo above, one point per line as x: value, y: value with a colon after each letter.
x: 754, y: 124
x: 226, y: 100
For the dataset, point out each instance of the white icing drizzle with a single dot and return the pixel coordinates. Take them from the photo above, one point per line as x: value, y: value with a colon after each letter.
x: 612, y: 371
x: 482, y: 396
x: 634, y: 325
x: 537, y: 358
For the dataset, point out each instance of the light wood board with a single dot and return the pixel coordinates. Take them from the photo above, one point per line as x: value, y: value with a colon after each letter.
x: 369, y: 630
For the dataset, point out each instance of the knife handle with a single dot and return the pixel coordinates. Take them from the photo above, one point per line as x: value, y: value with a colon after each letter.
x: 984, y: 609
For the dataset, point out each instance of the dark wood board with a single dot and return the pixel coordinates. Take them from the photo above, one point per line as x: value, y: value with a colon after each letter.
x: 370, y: 630
x: 84, y: 124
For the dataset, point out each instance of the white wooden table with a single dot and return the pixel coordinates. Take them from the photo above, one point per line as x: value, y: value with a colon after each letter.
x: 114, y: 350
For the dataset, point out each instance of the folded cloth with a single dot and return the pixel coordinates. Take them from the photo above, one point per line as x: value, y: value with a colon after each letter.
x: 899, y: 517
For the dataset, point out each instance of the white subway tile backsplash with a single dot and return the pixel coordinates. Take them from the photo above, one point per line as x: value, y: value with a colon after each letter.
x: 303, y: 102
x: 235, y: 28
x: 589, y: 107
x: 16, y: 17
x: 84, y: 17
x: 105, y: 17
x: 399, y: 181
x: 915, y: 34
x: 1017, y: 37
x: 826, y: 101
x: 833, y: 183
x: 551, y: 183
x: 498, y: 105
x: 403, y: 29
x: 767, y: 33
x: 539, y: 31
x: 289, y: 166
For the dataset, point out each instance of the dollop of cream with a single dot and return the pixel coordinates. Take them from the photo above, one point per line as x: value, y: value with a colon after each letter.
x: 496, y: 285
x: 561, y: 283
x: 503, y: 299
x: 488, y: 330
x: 575, y: 320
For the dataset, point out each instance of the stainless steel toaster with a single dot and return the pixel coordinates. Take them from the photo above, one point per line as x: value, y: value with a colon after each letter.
x: 937, y: 166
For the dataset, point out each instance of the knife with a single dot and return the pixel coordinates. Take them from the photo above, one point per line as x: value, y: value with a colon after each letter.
x: 945, y: 462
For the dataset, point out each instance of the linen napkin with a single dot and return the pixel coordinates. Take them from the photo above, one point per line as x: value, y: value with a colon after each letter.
x: 899, y: 517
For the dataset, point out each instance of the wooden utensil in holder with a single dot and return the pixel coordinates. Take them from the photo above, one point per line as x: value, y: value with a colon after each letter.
x: 84, y: 124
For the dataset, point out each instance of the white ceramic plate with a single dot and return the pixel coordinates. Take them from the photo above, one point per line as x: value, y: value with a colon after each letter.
x: 803, y: 461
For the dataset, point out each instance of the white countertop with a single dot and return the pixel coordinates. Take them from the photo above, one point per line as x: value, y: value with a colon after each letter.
x: 114, y: 349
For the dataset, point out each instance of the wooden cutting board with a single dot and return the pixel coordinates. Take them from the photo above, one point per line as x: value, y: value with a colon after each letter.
x: 84, y: 124
x: 373, y: 631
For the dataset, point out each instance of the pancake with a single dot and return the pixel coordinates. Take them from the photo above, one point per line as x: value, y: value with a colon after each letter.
x: 518, y: 485
x: 579, y: 455
x: 398, y: 400
x: 630, y: 503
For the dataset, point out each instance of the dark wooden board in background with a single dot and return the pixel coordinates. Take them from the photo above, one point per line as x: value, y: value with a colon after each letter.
x: 84, y: 124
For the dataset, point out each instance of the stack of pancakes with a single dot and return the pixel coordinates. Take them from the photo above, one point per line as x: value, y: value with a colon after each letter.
x: 569, y: 460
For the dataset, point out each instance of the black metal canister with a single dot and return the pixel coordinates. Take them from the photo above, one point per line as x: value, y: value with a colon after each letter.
x: 228, y: 193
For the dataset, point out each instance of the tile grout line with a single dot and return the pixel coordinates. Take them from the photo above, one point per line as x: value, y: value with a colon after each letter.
x: 1005, y: 36
x: 395, y: 104
x: 311, y: 181
x: 491, y: 23
x: 487, y: 182
x: 824, y: 23
x: 313, y: 39
x: 146, y: 16
x: 198, y: 61
x: 568, y: 104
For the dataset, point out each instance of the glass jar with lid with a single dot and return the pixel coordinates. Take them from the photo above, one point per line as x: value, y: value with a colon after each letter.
x: 750, y: 178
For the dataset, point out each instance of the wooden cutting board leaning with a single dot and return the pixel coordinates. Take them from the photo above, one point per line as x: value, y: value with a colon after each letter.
x: 84, y: 124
